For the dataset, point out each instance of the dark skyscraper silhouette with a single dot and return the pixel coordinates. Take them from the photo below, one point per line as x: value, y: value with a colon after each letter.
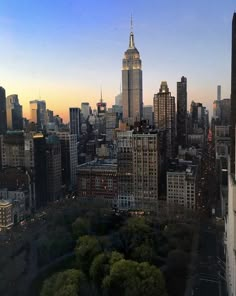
x: 3, y: 114
x: 75, y: 122
x: 182, y: 112
x: 233, y: 95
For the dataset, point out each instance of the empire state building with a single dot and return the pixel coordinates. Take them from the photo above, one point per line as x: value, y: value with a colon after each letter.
x: 132, y: 89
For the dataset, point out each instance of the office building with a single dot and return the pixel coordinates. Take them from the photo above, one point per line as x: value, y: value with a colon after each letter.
x: 14, y: 113
x: 118, y: 100
x: 111, y: 120
x: 164, y: 116
x: 6, y: 215
x: 38, y: 113
x: 3, y: 115
x: 75, y: 122
x: 101, y: 107
x: 49, y: 116
x: 69, y: 159
x: 125, y: 170
x: 145, y: 168
x: 132, y: 89
x: 182, y: 184
x: 54, y: 171
x: 85, y: 110
x: 182, y: 112
x: 98, y: 179
x: 218, y: 92
x: 13, y: 149
x: 225, y: 108
x: 148, y: 114
x: 17, y: 186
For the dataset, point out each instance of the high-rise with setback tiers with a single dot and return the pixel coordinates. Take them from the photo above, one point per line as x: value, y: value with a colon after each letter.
x: 132, y: 89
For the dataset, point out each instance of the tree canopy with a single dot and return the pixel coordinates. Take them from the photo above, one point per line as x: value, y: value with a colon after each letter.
x: 67, y: 283
x: 132, y: 278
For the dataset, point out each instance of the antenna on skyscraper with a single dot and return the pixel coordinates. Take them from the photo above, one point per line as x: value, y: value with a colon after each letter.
x: 131, y: 23
x: 101, y: 95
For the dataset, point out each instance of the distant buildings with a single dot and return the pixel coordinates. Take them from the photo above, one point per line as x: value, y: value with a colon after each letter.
x: 132, y: 89
x: 182, y: 112
x: 164, y: 116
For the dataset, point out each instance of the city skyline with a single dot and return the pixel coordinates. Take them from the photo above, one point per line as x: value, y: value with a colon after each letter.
x: 65, y: 54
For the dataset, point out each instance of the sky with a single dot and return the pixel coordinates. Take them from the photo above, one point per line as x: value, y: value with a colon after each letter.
x: 65, y: 51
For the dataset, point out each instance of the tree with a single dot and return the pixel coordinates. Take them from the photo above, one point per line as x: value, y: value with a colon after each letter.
x: 86, y: 249
x: 67, y: 283
x: 134, y: 232
x: 131, y: 278
x: 144, y: 253
x: 101, y: 266
x: 81, y: 227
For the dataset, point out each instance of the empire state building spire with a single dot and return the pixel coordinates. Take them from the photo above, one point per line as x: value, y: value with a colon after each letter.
x: 131, y: 37
x: 132, y: 83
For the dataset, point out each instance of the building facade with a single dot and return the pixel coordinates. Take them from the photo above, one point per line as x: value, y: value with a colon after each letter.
x: 182, y: 112
x: 145, y: 168
x: 3, y: 115
x: 75, y: 121
x: 98, y: 179
x: 125, y: 170
x: 54, y: 171
x: 14, y: 113
x: 69, y: 159
x: 148, y: 114
x: 164, y: 116
x: 6, y: 214
x: 182, y: 185
x: 38, y: 113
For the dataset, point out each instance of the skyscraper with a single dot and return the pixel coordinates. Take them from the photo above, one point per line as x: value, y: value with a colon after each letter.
x: 233, y: 95
x: 148, y: 114
x: 218, y: 92
x: 182, y: 112
x: 85, y: 110
x: 3, y: 120
x: 38, y: 113
x: 132, y: 89
x: 75, y: 122
x: 14, y: 113
x: 164, y: 116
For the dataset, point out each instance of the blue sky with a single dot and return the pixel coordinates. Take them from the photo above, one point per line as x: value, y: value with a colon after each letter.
x: 64, y: 51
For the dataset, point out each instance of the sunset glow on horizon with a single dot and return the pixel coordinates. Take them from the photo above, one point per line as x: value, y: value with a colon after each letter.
x: 64, y: 54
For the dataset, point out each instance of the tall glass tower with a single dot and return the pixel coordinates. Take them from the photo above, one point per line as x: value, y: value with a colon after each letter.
x: 132, y: 89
